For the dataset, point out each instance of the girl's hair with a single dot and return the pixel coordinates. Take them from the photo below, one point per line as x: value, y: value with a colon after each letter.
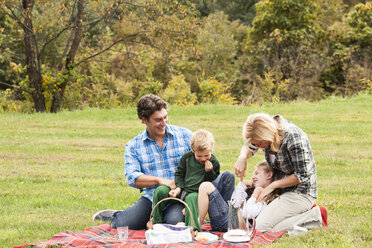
x: 263, y: 127
x: 202, y: 140
x: 268, y: 168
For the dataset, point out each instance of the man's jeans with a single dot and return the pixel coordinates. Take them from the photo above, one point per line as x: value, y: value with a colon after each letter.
x: 137, y: 215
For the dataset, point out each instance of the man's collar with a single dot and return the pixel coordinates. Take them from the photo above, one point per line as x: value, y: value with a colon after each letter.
x: 146, y: 136
x: 169, y: 130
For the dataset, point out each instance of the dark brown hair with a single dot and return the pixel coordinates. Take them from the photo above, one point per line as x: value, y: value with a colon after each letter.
x: 148, y: 104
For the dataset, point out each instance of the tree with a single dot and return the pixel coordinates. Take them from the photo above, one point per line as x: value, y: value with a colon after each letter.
x: 9, y: 61
x: 47, y: 25
x: 284, y: 42
x: 242, y: 10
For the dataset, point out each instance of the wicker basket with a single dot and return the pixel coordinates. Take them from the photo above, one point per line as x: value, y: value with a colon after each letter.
x: 184, y: 203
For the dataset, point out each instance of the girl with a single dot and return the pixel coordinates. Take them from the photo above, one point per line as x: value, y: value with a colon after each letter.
x: 263, y: 175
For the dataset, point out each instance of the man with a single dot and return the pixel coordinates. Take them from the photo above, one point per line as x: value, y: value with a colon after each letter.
x: 151, y: 159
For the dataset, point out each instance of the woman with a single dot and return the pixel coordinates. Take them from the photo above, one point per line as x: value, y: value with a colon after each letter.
x: 287, y: 149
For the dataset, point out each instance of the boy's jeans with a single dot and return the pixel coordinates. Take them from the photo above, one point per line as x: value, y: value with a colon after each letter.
x: 218, y: 207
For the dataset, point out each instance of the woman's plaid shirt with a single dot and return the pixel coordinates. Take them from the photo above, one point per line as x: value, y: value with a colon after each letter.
x: 295, y: 156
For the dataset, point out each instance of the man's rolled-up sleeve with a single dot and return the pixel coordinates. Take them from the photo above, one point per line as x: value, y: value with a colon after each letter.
x: 132, y: 165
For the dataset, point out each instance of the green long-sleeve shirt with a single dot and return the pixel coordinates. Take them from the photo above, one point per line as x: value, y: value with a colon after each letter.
x: 191, y: 173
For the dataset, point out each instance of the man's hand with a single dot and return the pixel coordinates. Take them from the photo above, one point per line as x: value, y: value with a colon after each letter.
x: 167, y: 182
x: 208, y: 166
x: 175, y: 192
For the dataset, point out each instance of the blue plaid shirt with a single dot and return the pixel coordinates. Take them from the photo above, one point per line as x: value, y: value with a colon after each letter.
x: 143, y: 156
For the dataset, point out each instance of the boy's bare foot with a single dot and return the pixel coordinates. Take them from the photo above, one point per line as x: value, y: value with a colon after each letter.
x: 149, y: 225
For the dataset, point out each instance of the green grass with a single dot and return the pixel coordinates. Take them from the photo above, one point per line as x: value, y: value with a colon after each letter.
x: 57, y: 170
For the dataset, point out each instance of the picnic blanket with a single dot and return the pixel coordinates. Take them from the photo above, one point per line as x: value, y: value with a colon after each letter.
x: 105, y: 236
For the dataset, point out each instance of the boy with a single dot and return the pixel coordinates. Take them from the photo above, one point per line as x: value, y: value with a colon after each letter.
x: 195, y: 167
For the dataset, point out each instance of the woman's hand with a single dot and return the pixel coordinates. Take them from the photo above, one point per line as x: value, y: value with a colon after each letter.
x: 240, y: 166
x: 266, y: 191
x: 241, y: 163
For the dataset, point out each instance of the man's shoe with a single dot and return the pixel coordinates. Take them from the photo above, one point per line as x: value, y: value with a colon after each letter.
x: 323, y: 213
x: 104, y: 215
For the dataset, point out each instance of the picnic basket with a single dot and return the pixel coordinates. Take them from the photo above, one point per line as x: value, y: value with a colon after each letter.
x: 166, y: 233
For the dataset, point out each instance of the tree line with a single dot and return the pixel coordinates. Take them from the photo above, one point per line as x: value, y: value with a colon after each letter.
x: 72, y: 54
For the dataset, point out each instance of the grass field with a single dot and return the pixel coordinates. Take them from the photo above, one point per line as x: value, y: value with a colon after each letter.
x: 57, y: 170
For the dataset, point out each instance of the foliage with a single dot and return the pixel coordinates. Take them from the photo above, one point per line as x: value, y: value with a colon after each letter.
x: 217, y: 48
x: 350, y: 50
x: 76, y: 54
x: 10, y: 103
x: 270, y: 88
x: 366, y: 85
x: 242, y: 10
x: 178, y: 92
x: 284, y: 41
x: 10, y: 67
x: 359, y: 20
x: 212, y: 91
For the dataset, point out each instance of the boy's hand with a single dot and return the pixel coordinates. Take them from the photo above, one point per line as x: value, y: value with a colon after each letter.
x: 208, y: 166
x: 174, y: 192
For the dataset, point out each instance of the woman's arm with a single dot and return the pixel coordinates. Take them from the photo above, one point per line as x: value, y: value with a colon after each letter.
x: 286, y: 182
x: 241, y: 163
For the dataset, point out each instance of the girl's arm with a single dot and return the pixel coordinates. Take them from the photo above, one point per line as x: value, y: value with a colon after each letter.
x: 252, y: 207
x: 286, y: 182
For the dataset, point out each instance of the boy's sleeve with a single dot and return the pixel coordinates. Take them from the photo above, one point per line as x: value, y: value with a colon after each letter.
x: 180, y: 173
x: 213, y: 174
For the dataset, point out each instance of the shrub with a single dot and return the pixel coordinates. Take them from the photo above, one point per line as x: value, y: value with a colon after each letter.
x: 178, y: 92
x: 212, y: 91
x: 9, y: 103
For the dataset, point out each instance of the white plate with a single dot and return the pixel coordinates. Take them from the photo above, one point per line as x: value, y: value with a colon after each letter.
x: 236, y: 239
x: 206, y: 236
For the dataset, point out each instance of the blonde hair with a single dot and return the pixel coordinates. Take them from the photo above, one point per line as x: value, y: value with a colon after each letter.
x: 263, y: 127
x: 202, y: 140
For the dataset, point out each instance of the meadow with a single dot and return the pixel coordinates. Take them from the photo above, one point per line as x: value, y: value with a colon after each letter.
x: 57, y: 170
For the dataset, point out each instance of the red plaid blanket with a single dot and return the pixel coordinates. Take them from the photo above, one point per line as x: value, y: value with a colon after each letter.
x: 105, y: 236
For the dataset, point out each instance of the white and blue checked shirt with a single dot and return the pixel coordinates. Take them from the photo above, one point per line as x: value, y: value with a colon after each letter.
x: 295, y: 156
x: 143, y: 156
